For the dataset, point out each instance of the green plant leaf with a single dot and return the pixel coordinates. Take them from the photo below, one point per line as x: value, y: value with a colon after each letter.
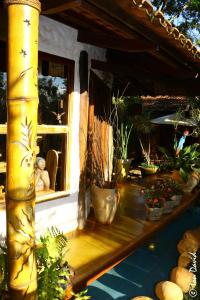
x: 184, y: 174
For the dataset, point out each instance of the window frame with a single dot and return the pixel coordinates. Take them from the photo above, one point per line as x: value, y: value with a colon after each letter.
x: 43, y: 196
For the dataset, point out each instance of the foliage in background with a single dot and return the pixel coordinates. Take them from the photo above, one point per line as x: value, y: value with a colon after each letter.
x: 3, y: 110
x: 184, y: 14
x: 187, y: 161
x: 144, y: 127
x: 123, y: 122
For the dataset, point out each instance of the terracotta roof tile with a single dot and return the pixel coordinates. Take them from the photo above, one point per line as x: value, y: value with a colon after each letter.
x: 158, y: 17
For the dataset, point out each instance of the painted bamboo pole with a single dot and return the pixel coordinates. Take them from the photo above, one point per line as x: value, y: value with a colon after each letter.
x: 22, y: 105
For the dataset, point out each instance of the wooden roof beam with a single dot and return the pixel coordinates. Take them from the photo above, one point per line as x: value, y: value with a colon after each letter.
x: 108, y: 41
x: 56, y: 6
x: 104, y: 18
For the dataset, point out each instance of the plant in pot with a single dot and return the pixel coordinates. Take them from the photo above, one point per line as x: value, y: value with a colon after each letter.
x: 166, y: 192
x: 144, y: 127
x: 176, y: 192
x: 186, y: 166
x: 188, y: 163
x: 153, y: 203
x: 122, y: 127
x: 123, y: 162
x: 104, y: 192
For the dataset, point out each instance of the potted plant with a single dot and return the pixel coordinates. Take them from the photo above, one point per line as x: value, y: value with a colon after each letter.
x: 144, y: 127
x: 122, y: 126
x: 123, y: 162
x: 147, y: 167
x: 153, y: 203
x: 185, y: 166
x: 176, y: 192
x: 103, y: 179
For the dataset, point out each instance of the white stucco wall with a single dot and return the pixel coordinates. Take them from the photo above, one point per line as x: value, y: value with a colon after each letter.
x: 61, y: 40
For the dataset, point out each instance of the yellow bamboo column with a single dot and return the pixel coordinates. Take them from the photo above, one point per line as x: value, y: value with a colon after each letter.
x: 22, y: 105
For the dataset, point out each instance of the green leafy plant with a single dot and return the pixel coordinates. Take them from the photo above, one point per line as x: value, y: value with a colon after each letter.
x: 52, y: 270
x: 123, y: 136
x: 81, y: 296
x: 187, y: 161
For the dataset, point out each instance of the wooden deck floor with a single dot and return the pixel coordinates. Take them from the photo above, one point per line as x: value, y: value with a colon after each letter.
x: 98, y: 247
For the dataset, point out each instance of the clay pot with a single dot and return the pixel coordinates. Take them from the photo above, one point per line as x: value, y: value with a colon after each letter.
x: 167, y: 290
x: 185, y: 279
x: 105, y: 202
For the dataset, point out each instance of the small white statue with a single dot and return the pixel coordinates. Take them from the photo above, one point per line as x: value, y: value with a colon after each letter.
x: 42, y: 180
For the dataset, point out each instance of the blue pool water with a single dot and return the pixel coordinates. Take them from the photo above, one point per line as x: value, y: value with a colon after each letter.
x: 138, y: 274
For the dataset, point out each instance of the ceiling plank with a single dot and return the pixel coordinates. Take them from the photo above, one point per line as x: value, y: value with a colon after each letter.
x: 108, y: 41
x: 54, y: 7
x: 105, y: 19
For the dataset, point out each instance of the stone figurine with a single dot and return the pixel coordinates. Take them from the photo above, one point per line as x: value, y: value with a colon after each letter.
x: 42, y: 180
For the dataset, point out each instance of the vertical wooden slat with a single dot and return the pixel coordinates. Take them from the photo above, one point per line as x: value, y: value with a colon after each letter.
x: 83, y: 132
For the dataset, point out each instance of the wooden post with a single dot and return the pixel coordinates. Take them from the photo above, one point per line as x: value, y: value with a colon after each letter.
x: 22, y: 105
x: 83, y: 131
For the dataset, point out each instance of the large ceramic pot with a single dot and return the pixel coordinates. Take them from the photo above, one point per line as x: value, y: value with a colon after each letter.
x: 105, y: 202
x: 123, y: 166
x: 154, y: 214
